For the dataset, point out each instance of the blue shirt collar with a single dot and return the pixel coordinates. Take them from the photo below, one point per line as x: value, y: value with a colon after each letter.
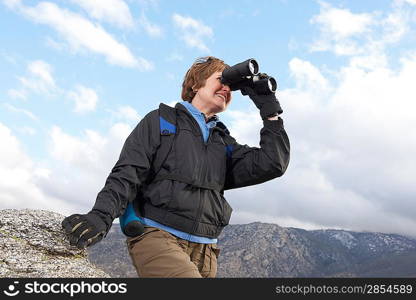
x: 195, y: 111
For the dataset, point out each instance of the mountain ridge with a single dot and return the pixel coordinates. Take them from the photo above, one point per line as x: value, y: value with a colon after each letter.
x: 268, y: 250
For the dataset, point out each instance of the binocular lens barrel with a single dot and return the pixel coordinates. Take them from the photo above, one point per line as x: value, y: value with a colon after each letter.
x: 253, y: 66
x: 272, y: 84
x: 240, y: 71
x: 246, y: 74
x: 248, y: 67
x: 264, y: 85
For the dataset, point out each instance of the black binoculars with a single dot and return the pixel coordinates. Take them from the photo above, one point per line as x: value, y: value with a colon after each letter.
x: 246, y: 74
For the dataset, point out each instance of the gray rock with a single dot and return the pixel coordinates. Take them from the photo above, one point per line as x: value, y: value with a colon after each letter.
x: 33, y: 244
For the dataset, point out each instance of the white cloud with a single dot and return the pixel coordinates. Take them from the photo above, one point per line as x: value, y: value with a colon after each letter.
x: 151, y: 29
x: 27, y: 130
x: 339, y: 28
x: 81, y: 164
x: 52, y: 43
x: 75, y: 151
x: 12, y: 3
x: 352, y: 163
x: 85, y: 99
x: 22, y: 111
x: 411, y: 2
x: 395, y: 26
x: 342, y: 23
x: 17, y: 94
x: 352, y: 159
x: 307, y: 74
x: 115, y: 12
x: 81, y: 34
x: 347, y: 33
x: 244, y: 217
x: 18, y: 176
x: 241, y: 128
x: 39, y: 80
x: 193, y: 32
x: 128, y: 113
x: 43, y: 70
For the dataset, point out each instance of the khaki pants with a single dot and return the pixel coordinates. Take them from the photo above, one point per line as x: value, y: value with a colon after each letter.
x: 157, y: 253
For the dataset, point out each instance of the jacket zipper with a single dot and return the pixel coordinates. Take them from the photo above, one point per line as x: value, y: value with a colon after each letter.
x: 211, y: 130
x: 197, y: 125
x: 201, y: 204
x: 200, y: 130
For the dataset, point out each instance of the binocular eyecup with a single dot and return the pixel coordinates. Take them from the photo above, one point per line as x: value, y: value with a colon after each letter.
x: 246, y: 74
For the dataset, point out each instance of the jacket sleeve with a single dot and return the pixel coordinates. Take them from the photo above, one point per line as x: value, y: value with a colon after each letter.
x: 252, y: 165
x: 132, y: 167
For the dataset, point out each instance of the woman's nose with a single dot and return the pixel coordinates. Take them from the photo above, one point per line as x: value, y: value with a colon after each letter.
x: 226, y: 88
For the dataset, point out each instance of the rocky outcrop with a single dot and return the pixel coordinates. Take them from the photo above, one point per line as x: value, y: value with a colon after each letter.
x: 32, y: 244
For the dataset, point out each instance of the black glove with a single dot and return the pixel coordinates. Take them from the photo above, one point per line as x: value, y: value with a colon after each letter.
x: 268, y: 104
x: 86, y: 230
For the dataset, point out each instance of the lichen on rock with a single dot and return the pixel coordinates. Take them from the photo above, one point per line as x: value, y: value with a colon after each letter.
x: 33, y: 244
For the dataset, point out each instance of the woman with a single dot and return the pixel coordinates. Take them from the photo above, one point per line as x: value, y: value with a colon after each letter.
x: 183, y: 209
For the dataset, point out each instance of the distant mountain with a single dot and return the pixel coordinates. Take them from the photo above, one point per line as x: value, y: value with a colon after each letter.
x: 268, y: 250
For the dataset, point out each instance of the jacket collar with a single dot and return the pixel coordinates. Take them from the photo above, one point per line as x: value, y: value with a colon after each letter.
x: 219, y: 125
x: 182, y: 107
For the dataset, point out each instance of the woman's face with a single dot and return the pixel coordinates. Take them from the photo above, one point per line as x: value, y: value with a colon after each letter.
x: 214, y: 95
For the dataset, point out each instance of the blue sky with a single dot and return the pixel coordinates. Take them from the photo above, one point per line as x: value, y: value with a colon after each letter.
x: 77, y: 75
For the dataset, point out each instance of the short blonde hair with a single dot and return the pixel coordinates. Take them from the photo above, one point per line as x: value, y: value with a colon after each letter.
x: 198, y: 73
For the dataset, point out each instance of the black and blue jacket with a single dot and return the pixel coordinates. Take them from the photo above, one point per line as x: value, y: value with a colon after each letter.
x: 188, y: 191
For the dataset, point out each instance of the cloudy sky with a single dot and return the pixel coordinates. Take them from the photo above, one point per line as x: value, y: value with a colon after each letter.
x: 77, y: 75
